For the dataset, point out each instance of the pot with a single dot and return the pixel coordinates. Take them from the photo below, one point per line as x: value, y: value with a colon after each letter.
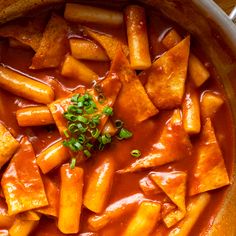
x: 217, y: 35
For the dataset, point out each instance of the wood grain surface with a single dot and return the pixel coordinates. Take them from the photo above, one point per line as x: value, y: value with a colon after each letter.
x: 226, y: 5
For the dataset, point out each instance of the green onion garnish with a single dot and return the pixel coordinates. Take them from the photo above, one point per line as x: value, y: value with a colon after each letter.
x: 70, y: 116
x: 82, y: 128
x: 101, y: 146
x: 74, y: 109
x: 90, y: 109
x: 124, y: 134
x: 83, y: 120
x: 73, y: 163
x: 105, y: 138
x: 78, y: 146
x: 135, y: 153
x: 95, y: 133
x: 98, y: 88
x: 66, y: 133
x: 75, y: 98
x: 81, y: 138
x: 89, y: 145
x: 87, y: 153
x: 87, y: 96
x: 96, y: 119
x: 108, y: 111
x: 101, y: 98
x: 119, y: 124
x: 73, y: 128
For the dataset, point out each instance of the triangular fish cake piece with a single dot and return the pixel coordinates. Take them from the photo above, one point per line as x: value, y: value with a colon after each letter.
x: 173, y: 145
x: 53, y: 45
x: 29, y: 33
x: 209, y: 171
x: 173, y: 184
x: 166, y: 77
x: 133, y: 103
x: 110, y: 88
x: 107, y: 41
x: 22, y: 183
x: 59, y: 106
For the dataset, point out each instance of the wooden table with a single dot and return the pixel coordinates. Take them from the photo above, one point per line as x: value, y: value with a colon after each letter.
x: 226, y: 5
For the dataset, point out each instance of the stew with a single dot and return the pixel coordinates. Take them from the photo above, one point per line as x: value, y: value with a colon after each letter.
x: 113, y: 122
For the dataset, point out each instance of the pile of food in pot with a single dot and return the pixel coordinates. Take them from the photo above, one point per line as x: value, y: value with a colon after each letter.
x: 112, y: 122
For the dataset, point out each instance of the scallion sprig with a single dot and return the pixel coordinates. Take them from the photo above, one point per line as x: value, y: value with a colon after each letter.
x: 108, y: 111
x: 83, y: 119
x: 73, y: 163
x: 119, y: 124
x: 135, y: 153
x: 124, y: 134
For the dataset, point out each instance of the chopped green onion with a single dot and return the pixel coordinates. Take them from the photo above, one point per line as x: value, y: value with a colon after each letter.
x: 74, y: 109
x: 95, y: 133
x: 72, y: 147
x: 65, y: 143
x: 70, y: 144
x: 82, y: 119
x: 87, y: 96
x: 92, y: 125
x: 86, y: 103
x: 101, y: 98
x: 98, y: 88
x: 89, y: 145
x: 73, y: 128
x: 92, y: 103
x: 80, y: 104
x: 75, y: 98
x: 73, y: 163
x: 78, y: 146
x: 105, y: 138
x: 124, y: 134
x: 135, y: 153
x: 70, y: 116
x: 90, y: 109
x: 87, y: 153
x: 96, y: 119
x: 101, y: 146
x: 66, y: 133
x: 119, y: 124
x: 81, y: 100
x: 81, y: 128
x: 73, y: 144
x: 108, y: 111
x: 81, y: 138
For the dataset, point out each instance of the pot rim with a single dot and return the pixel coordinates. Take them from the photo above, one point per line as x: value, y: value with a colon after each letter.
x: 226, y: 26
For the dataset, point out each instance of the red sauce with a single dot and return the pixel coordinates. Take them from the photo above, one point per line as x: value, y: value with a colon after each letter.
x: 143, y: 134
